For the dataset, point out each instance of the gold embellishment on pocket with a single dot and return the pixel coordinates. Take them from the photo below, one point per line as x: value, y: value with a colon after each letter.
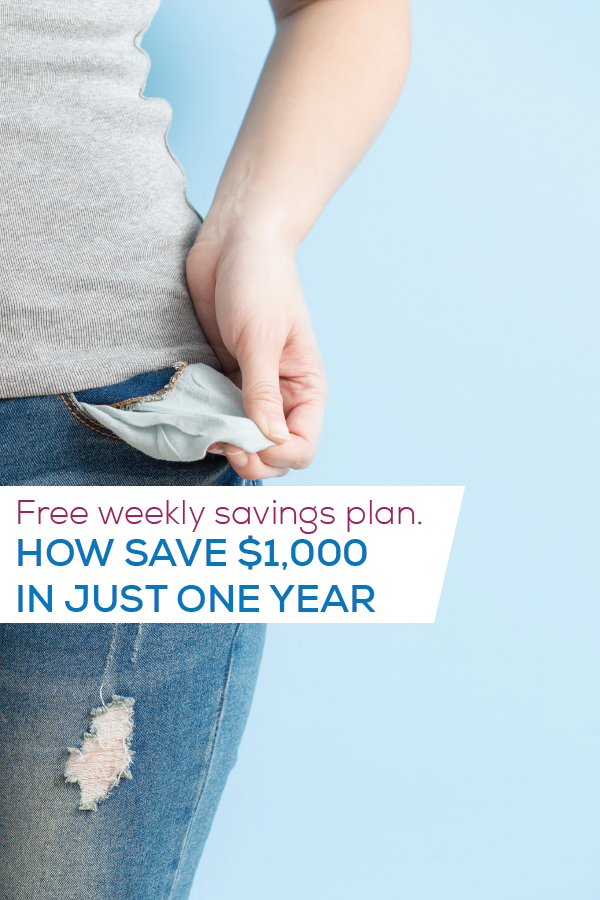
x: 180, y: 368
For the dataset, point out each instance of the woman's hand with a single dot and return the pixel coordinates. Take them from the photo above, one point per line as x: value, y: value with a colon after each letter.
x: 332, y: 77
x: 247, y: 296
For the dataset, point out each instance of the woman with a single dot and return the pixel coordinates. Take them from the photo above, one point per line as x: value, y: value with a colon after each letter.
x: 95, y: 307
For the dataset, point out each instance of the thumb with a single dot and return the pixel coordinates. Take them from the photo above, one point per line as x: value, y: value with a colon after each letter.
x: 260, y: 391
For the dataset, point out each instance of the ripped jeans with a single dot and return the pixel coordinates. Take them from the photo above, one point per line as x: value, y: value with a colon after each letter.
x: 191, y: 687
x: 115, y: 740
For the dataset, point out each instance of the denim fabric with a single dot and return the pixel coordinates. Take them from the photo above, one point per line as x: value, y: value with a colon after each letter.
x: 192, y: 686
x: 50, y: 441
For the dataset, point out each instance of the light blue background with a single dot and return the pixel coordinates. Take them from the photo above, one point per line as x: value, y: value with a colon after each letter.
x: 454, y: 284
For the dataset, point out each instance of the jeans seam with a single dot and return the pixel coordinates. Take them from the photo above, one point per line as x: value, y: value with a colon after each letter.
x: 81, y: 416
x: 210, y: 761
x: 75, y: 409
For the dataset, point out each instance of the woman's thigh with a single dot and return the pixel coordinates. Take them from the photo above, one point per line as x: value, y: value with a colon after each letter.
x: 191, y: 687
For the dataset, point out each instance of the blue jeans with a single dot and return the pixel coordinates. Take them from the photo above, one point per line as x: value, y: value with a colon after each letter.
x: 192, y: 686
x: 50, y: 441
x: 180, y: 692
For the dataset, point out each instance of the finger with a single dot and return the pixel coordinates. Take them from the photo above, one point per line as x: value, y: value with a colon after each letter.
x: 236, y: 455
x: 256, y: 470
x: 297, y: 453
x: 260, y: 389
x: 305, y: 422
x: 251, y: 467
x: 248, y: 465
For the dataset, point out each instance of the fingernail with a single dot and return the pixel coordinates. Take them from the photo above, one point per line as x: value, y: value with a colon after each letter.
x: 239, y: 457
x: 278, y: 430
x: 218, y: 448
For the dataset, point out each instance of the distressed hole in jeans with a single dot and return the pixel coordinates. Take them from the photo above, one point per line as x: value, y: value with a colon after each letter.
x: 106, y: 755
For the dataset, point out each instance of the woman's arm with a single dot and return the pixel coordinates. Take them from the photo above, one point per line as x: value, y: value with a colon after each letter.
x: 332, y: 78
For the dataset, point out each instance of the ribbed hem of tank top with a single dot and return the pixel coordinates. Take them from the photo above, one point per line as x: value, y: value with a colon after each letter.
x: 80, y: 374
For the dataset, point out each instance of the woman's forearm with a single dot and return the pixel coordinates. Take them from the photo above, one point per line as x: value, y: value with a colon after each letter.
x: 334, y: 73
x: 332, y: 77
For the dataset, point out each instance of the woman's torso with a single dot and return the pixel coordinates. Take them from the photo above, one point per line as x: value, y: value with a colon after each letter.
x: 95, y: 224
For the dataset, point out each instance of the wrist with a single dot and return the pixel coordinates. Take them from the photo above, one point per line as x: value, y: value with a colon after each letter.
x: 245, y: 209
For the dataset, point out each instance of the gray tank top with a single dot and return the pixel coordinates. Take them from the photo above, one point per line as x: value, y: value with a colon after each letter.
x: 95, y: 225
